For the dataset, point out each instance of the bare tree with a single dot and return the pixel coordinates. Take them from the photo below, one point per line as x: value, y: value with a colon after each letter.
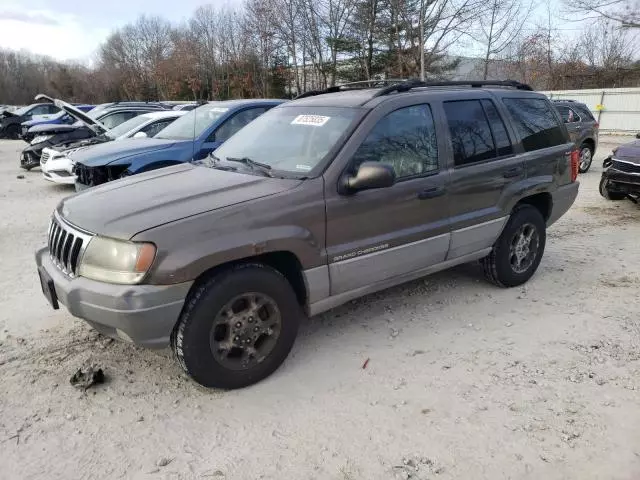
x: 499, y: 25
x: 626, y: 13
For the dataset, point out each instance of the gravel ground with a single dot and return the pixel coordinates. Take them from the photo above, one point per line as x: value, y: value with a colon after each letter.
x: 462, y: 380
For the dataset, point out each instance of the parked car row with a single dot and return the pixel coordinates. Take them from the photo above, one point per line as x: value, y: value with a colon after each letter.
x: 266, y: 211
x: 80, y: 125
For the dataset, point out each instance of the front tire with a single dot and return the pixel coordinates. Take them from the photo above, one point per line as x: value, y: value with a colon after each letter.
x: 237, y: 327
x: 517, y: 252
x: 12, y: 132
x: 586, y: 158
x: 609, y: 194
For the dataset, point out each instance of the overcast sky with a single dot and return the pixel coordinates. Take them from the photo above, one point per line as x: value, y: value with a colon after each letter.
x: 73, y: 29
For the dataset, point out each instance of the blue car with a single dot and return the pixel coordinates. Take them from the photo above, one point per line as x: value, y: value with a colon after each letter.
x: 191, y: 137
x: 60, y: 118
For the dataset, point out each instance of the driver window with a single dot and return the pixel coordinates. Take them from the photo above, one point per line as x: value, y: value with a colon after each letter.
x: 404, y: 139
x: 235, y: 123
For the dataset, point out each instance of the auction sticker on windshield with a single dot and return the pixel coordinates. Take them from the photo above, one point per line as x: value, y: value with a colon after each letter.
x: 313, y: 120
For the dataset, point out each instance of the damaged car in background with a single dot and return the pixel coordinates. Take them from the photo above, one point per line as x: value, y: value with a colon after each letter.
x: 621, y: 175
x: 10, y: 122
x: 192, y: 137
x: 88, y: 125
x: 28, y: 133
x: 56, y: 163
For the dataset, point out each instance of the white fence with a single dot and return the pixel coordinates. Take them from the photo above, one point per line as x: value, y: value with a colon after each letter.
x: 620, y: 111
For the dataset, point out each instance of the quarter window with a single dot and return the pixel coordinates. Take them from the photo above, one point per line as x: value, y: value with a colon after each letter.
x: 404, y: 139
x: 535, y: 122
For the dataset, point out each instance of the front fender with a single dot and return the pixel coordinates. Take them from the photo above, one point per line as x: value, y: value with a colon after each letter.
x: 291, y: 221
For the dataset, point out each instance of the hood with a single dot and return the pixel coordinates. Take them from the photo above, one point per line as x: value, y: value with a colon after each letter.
x: 50, y: 129
x: 108, y: 152
x: 123, y: 208
x: 80, y: 115
x: 629, y: 152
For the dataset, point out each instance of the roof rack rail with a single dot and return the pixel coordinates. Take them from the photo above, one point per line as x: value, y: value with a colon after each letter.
x: 408, y: 85
x: 404, y: 85
x: 360, y: 85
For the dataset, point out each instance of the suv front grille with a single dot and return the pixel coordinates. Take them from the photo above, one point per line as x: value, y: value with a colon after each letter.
x: 66, y: 245
x: 45, y: 156
x: 626, y: 167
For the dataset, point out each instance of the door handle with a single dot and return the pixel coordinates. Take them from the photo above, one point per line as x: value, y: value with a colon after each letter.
x: 512, y: 172
x: 431, y: 192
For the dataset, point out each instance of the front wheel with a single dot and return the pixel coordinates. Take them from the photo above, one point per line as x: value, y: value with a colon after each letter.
x: 517, y: 252
x: 12, y: 132
x: 608, y: 193
x: 237, y: 327
x: 586, y: 158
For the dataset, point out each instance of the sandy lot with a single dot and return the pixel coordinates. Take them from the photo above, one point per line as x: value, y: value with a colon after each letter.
x: 464, y: 380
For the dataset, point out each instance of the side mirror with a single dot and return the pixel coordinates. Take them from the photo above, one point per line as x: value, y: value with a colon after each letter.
x: 369, y: 175
x: 140, y: 135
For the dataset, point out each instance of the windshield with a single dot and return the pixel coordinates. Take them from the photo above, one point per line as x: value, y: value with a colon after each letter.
x: 294, y: 139
x: 22, y: 111
x: 192, y: 124
x: 124, y: 127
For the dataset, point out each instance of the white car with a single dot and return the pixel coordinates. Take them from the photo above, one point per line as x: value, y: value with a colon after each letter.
x: 57, y: 166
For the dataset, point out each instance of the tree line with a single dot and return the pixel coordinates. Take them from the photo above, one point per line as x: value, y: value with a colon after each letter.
x: 277, y: 48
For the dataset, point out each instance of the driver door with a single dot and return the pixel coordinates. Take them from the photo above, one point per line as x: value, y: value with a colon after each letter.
x: 375, y: 235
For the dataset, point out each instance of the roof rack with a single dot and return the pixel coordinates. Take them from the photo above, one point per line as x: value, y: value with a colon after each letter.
x: 360, y: 85
x: 404, y: 85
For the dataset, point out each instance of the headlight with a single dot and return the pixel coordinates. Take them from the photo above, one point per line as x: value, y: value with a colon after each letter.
x: 116, y: 261
x: 40, y: 139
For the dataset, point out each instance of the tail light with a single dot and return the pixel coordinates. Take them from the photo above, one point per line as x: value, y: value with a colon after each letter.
x: 597, y: 125
x: 575, y: 164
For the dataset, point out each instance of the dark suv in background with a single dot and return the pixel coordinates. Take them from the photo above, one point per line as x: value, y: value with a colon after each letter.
x: 321, y: 200
x: 582, y: 127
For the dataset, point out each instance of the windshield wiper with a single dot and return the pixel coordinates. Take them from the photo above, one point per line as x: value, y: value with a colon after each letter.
x: 252, y: 164
x: 211, y: 161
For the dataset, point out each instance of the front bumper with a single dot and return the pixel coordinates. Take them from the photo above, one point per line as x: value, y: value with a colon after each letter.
x: 624, y: 182
x: 58, y: 170
x: 141, y: 314
x: 561, y: 201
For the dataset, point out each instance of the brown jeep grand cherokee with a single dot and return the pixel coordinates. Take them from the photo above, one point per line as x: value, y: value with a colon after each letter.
x: 318, y: 201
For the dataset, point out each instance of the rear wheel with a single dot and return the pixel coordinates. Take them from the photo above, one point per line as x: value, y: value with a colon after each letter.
x: 608, y: 193
x: 237, y: 328
x: 586, y: 158
x: 517, y: 253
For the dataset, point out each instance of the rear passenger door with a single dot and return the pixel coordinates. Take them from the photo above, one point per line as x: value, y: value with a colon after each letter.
x: 485, y: 169
x: 544, y: 141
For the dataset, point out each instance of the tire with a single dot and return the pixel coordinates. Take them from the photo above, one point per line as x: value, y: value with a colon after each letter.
x: 208, y: 351
x: 12, y: 132
x: 586, y: 158
x: 609, y: 194
x: 498, y: 265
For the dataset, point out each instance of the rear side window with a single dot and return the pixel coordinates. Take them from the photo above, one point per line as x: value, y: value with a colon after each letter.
x: 500, y: 135
x: 536, y: 123
x: 477, y: 131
